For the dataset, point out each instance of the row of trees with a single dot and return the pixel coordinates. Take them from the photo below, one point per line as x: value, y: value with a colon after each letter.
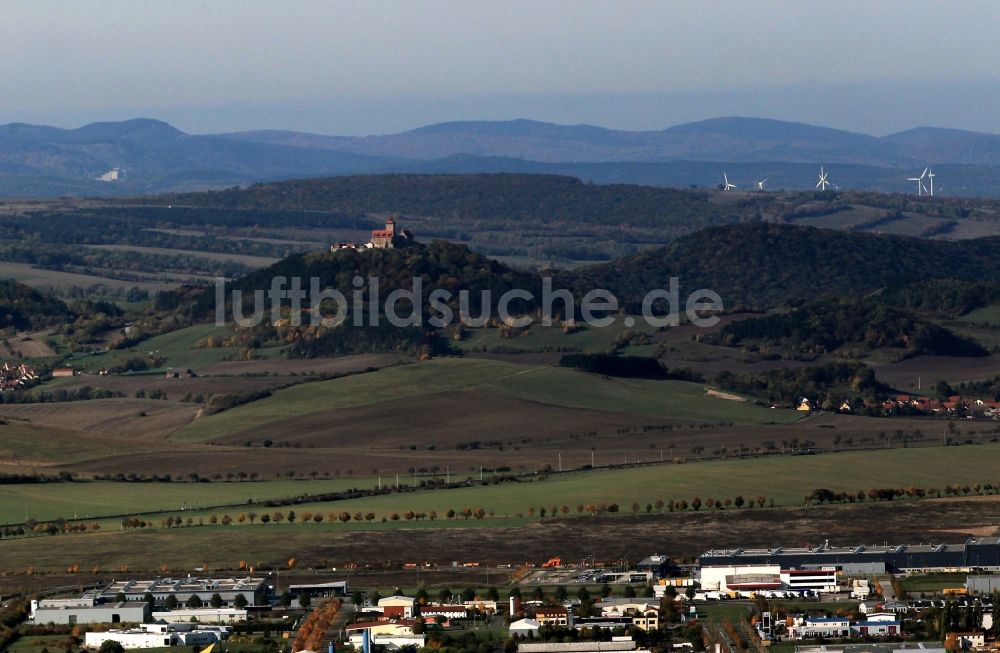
x: 33, y: 528
x: 823, y: 495
x: 314, y: 629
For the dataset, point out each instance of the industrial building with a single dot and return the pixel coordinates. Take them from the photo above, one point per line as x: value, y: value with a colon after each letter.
x: 201, y: 616
x: 658, y: 565
x: 87, y: 611
x: 156, y: 636
x: 982, y: 584
x: 317, y: 590
x: 767, y: 578
x: 253, y: 590
x: 975, y: 553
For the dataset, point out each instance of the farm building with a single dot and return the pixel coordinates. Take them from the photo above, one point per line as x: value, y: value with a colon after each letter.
x: 980, y: 552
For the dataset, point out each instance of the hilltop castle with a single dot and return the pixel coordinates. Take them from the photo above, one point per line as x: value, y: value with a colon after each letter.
x: 391, y: 237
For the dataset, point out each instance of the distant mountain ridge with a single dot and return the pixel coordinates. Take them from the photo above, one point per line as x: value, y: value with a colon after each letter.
x: 42, y: 160
x: 719, y: 139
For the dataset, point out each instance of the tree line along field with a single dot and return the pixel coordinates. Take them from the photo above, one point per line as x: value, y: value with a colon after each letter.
x: 773, y: 482
x: 781, y: 481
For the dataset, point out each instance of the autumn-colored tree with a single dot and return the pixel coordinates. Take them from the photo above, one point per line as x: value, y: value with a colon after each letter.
x: 344, y: 517
x: 317, y: 518
x: 696, y: 503
x: 370, y: 516
x: 278, y: 517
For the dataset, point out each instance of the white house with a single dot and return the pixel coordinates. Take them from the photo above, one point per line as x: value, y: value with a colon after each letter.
x: 524, y: 627
x: 831, y: 627
x: 972, y: 640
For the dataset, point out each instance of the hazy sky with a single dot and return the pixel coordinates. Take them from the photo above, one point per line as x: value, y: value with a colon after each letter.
x: 375, y: 67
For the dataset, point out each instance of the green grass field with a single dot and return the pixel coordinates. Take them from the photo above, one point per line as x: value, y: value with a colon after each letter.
x: 543, y: 383
x: 178, y: 347
x: 46, y: 501
x: 933, y: 583
x: 784, y: 479
x: 987, y: 315
x: 540, y: 338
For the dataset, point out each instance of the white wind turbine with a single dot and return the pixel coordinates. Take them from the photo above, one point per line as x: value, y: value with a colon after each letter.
x: 921, y: 189
x: 760, y: 184
x: 930, y: 176
x: 726, y: 185
x: 822, y: 184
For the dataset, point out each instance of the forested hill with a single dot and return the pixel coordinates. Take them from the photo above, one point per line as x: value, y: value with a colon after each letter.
x: 766, y: 265
x: 541, y: 199
x: 757, y: 266
x: 22, y: 307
